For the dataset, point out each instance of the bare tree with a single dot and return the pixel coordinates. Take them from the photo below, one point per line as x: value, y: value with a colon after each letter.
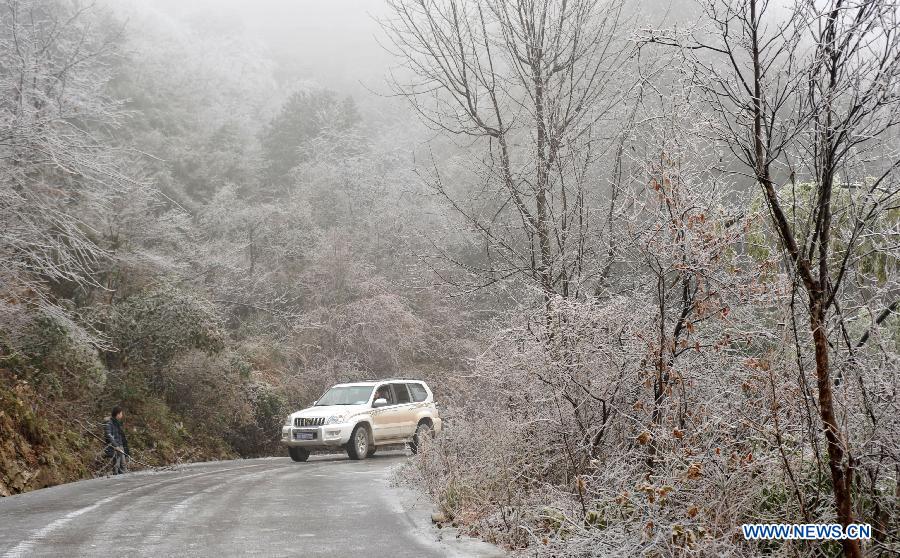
x: 810, y: 96
x: 531, y: 83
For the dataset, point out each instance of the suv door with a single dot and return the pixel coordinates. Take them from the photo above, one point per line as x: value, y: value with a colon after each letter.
x: 406, y: 411
x: 383, y: 420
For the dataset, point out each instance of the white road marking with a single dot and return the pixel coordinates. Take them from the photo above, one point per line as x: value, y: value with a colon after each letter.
x: 157, y: 536
x: 25, y: 547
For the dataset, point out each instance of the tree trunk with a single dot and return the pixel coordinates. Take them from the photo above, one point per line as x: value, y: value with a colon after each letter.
x: 840, y: 474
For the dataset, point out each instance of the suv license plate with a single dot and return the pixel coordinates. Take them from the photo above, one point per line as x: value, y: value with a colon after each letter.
x: 304, y: 436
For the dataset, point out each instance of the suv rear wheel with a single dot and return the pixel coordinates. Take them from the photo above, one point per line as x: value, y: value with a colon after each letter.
x: 298, y: 454
x: 423, y: 432
x: 358, y: 446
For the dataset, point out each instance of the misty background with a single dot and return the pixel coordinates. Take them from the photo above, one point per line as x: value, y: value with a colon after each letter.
x: 648, y: 305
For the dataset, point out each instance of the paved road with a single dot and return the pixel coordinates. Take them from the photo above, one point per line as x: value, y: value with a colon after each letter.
x: 329, y: 506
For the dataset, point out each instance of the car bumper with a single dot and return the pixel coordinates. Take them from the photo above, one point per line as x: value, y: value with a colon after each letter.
x: 331, y: 435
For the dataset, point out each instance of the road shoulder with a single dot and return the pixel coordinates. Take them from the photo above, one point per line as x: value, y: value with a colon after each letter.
x: 449, y: 541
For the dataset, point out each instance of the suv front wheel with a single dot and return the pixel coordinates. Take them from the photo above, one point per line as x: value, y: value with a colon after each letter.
x: 298, y: 454
x: 358, y: 446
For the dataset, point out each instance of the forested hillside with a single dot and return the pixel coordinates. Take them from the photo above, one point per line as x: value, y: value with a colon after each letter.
x: 193, y: 236
x: 647, y: 258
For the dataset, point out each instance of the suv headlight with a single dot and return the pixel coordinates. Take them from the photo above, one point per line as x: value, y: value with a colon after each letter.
x: 334, y: 419
x: 288, y: 421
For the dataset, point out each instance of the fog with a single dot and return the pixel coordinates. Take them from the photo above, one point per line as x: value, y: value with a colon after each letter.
x: 337, y: 43
x: 644, y: 253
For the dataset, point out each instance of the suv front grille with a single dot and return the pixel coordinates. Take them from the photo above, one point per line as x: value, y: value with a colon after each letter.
x: 306, y: 421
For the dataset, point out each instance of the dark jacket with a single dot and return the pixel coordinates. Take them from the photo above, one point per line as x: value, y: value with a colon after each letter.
x: 115, y: 437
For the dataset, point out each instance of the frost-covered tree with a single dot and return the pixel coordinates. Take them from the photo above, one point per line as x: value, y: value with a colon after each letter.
x: 57, y: 168
x: 533, y: 87
x: 307, y: 116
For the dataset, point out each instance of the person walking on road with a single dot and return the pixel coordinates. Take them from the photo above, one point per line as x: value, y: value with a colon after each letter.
x: 116, y: 442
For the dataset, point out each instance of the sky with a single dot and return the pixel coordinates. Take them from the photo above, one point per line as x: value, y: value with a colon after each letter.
x: 334, y: 42
x: 337, y: 44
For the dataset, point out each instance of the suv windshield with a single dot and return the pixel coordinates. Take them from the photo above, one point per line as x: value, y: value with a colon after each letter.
x: 346, y: 395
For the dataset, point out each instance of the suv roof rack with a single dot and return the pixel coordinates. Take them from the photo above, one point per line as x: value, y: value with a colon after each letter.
x: 393, y: 380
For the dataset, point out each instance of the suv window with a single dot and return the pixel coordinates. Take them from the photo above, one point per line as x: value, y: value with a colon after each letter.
x: 401, y: 393
x: 345, y: 395
x: 418, y: 392
x: 385, y: 392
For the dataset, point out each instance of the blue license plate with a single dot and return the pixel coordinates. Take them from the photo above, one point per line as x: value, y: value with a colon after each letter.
x: 304, y: 435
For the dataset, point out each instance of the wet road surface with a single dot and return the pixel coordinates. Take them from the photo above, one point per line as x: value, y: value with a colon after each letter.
x: 328, y: 506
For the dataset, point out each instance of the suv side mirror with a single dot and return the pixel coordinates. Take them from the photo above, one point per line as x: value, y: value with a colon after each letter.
x: 380, y: 402
x: 314, y: 403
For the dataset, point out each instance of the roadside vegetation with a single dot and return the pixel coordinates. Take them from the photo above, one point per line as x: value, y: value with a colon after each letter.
x: 701, y: 217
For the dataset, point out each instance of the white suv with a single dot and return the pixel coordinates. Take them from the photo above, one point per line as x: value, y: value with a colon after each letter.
x: 362, y: 416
